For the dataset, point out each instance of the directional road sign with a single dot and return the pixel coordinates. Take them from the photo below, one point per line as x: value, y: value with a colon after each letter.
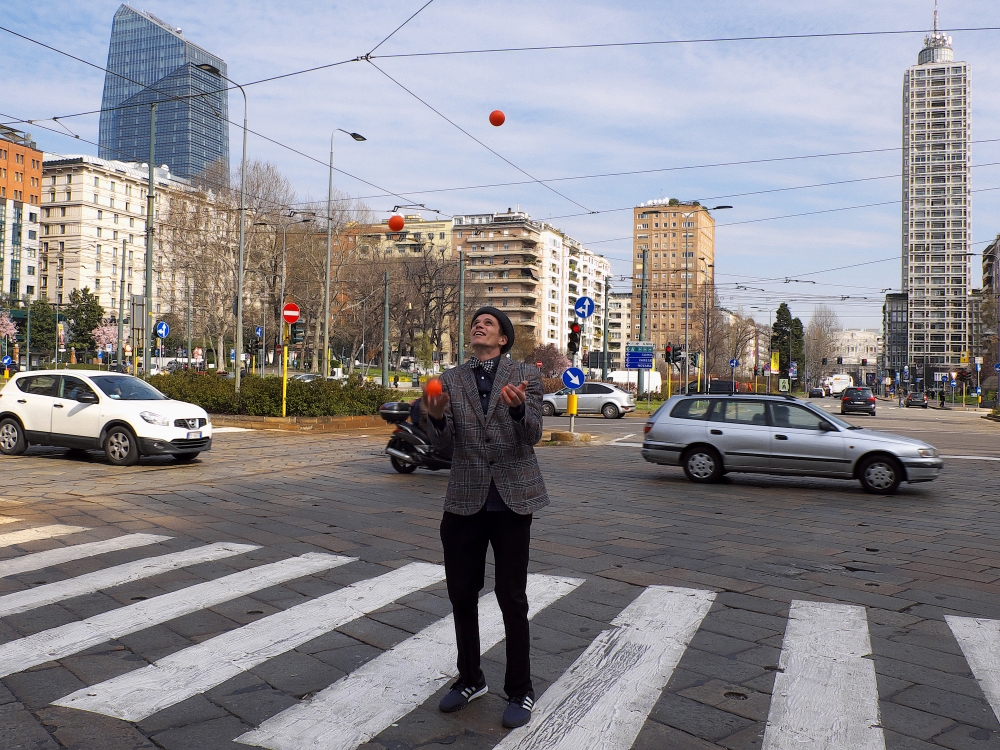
x: 162, y: 330
x: 259, y: 332
x: 7, y: 361
x: 997, y: 367
x: 290, y: 313
x: 953, y: 383
x: 639, y: 355
x: 573, y: 377
x: 734, y: 363
x: 584, y: 307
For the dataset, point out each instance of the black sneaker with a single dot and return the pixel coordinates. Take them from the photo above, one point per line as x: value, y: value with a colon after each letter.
x: 460, y: 695
x: 518, y: 711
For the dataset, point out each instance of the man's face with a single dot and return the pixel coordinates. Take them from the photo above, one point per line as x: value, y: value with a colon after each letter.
x: 487, y: 334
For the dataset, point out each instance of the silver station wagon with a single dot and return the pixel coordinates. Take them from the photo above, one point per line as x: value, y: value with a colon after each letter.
x: 710, y: 436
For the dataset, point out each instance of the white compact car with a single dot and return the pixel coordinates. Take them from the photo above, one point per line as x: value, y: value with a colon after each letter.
x: 85, y: 410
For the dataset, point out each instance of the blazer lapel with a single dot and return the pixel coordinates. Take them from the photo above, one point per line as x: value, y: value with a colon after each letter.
x: 472, y: 392
x: 502, y: 376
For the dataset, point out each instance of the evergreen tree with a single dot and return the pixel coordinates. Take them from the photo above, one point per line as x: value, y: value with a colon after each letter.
x: 83, y: 314
x: 43, y: 326
x: 784, y: 326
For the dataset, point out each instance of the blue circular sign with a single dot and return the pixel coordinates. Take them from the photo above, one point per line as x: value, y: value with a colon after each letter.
x: 573, y: 377
x: 734, y: 363
x: 259, y: 332
x: 996, y: 367
x: 7, y: 361
x: 162, y: 330
x: 953, y: 383
x: 584, y: 307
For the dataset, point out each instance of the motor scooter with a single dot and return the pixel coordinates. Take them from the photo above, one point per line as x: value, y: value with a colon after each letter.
x: 409, y: 446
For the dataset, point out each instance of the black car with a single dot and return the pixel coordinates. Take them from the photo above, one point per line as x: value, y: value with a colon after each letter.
x: 817, y: 393
x: 916, y: 399
x: 860, y: 400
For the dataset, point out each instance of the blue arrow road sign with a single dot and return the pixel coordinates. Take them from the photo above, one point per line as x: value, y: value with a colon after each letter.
x: 953, y: 383
x: 259, y: 332
x: 734, y: 363
x: 584, y: 307
x: 162, y: 330
x: 7, y: 361
x: 997, y: 367
x: 573, y: 377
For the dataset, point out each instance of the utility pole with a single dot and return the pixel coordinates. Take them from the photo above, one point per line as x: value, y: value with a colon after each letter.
x: 385, y: 334
x: 604, y: 356
x: 461, y: 307
x: 121, y: 312
x: 640, y: 379
x: 189, y: 324
x: 27, y: 335
x: 329, y: 252
x: 147, y: 324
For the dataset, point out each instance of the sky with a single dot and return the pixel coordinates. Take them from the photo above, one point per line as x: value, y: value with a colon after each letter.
x: 574, y: 113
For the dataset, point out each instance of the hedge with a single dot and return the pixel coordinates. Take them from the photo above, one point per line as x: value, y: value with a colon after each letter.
x: 261, y: 397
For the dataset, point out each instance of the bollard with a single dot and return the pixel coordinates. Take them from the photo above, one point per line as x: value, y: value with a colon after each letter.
x: 571, y: 410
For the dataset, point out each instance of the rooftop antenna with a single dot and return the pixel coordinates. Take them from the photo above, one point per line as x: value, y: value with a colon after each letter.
x: 935, y: 17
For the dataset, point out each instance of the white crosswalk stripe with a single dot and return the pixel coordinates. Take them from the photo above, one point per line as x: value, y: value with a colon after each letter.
x: 74, y: 637
x: 12, y: 538
x: 603, y: 699
x: 139, y: 694
x: 7, y: 519
x: 22, y: 601
x: 825, y: 694
x: 364, y: 703
x: 40, y: 560
x: 980, y: 642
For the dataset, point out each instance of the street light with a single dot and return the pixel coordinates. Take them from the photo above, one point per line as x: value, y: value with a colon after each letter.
x: 329, y: 252
x: 243, y: 174
x: 687, y: 282
x: 704, y: 364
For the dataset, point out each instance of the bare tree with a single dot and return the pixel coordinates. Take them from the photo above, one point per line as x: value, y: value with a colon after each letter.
x: 821, y: 337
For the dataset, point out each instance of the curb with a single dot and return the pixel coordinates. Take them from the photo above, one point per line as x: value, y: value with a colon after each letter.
x: 300, y: 424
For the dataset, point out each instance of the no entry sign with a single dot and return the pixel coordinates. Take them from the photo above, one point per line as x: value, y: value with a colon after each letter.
x: 290, y: 312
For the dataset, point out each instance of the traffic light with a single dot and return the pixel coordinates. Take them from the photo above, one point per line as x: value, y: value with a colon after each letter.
x: 668, y: 353
x: 840, y: 360
x: 693, y: 359
x: 573, y: 345
x: 864, y: 363
x: 824, y: 361
x: 297, y: 333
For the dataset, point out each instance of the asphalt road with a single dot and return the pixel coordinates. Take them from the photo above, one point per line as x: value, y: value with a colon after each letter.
x: 799, y: 610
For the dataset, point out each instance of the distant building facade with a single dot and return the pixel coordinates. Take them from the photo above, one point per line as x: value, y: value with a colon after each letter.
x: 149, y: 61
x: 20, y: 190
x: 894, y: 330
x: 620, y: 331
x: 991, y: 270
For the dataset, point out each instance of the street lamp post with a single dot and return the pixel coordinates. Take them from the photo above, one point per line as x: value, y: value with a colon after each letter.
x: 687, y: 282
x: 704, y: 363
x: 329, y: 252
x: 243, y: 183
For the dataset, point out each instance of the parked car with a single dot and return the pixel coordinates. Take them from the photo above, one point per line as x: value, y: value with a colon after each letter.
x: 916, y: 399
x: 592, y: 398
x: 711, y: 436
x: 859, y: 400
x: 92, y: 410
x: 817, y: 392
x: 306, y: 377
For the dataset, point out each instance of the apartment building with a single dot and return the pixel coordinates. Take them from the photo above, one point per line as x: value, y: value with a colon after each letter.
x: 620, y: 330
x: 677, y: 240
x: 991, y: 270
x: 418, y: 235
x: 894, y: 329
x: 93, y: 222
x: 20, y: 188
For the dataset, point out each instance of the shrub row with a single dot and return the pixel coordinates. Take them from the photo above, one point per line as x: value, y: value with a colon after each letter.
x: 261, y: 397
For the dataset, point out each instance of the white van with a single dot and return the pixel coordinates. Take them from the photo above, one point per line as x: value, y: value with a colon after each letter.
x: 840, y: 383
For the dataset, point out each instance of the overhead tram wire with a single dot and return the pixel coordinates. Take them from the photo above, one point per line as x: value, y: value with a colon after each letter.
x: 470, y: 135
x: 419, y: 11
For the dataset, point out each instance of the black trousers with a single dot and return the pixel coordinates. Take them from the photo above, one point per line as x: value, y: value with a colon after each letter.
x: 465, y: 539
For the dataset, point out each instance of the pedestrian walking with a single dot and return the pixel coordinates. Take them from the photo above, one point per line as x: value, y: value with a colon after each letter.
x: 395, y: 381
x: 941, y: 397
x: 901, y: 393
x: 490, y: 416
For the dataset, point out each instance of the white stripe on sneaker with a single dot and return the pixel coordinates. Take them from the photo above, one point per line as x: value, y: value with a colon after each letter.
x: 359, y: 706
x: 825, y: 695
x: 39, y: 532
x: 136, y: 695
x: 603, y: 699
x: 40, y: 560
x: 74, y: 637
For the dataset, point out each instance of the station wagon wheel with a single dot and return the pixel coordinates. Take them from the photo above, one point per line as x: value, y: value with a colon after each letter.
x: 548, y: 409
x: 880, y: 475
x: 121, y: 447
x: 702, y: 464
x: 12, y: 440
x: 610, y: 411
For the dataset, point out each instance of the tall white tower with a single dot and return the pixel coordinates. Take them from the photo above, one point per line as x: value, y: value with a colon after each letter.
x: 936, y: 209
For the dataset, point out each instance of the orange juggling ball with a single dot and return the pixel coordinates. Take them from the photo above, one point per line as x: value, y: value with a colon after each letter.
x: 396, y: 223
x: 434, y: 387
x: 497, y: 118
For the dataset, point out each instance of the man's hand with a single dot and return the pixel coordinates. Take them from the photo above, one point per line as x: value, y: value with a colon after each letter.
x: 435, y: 405
x: 514, y: 395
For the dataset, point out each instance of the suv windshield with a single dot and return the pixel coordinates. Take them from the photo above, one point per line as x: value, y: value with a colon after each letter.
x: 127, y: 388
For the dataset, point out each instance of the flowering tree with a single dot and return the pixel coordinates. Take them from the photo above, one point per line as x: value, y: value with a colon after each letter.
x: 7, y: 328
x: 106, y: 334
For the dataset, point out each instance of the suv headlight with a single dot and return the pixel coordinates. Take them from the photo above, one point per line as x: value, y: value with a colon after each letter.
x: 928, y: 452
x: 154, y: 418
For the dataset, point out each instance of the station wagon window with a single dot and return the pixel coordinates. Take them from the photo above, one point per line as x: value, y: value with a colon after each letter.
x: 39, y: 385
x: 691, y: 408
x: 794, y: 417
x: 737, y: 411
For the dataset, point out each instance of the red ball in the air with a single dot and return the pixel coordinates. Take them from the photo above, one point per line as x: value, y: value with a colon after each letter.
x: 497, y: 118
x: 396, y: 223
x: 434, y: 387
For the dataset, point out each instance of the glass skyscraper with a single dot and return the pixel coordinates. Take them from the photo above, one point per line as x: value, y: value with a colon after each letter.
x: 150, y: 61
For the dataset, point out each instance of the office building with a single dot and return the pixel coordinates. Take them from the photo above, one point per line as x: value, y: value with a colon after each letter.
x: 894, y: 329
x: 149, y: 61
x: 20, y: 187
x: 620, y: 330
x: 678, y: 239
x: 991, y: 279
x: 936, y: 234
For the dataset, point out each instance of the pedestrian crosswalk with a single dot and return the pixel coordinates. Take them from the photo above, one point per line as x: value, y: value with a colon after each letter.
x: 825, y: 691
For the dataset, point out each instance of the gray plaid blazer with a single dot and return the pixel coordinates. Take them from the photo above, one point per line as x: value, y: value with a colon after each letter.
x: 493, y: 446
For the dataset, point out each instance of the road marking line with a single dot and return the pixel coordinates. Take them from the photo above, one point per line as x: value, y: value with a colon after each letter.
x: 826, y: 695
x: 217, y: 430
x: 363, y: 704
x: 22, y: 601
x: 40, y: 560
x: 980, y: 642
x: 627, y: 445
x: 6, y: 519
x: 73, y: 637
x: 181, y: 675
x: 39, y: 532
x: 623, y: 437
x: 603, y: 699
x: 973, y: 458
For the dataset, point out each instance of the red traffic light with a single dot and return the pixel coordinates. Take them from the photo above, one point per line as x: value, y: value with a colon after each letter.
x: 574, y: 327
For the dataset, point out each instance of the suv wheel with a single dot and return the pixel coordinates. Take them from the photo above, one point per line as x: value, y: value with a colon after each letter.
x: 702, y: 464
x: 12, y: 440
x: 548, y: 410
x: 121, y: 447
x: 610, y: 411
x: 880, y: 475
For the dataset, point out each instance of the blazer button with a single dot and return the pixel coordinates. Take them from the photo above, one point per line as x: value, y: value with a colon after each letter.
x: 491, y: 463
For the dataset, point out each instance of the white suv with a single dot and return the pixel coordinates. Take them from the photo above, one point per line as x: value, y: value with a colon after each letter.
x: 81, y: 409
